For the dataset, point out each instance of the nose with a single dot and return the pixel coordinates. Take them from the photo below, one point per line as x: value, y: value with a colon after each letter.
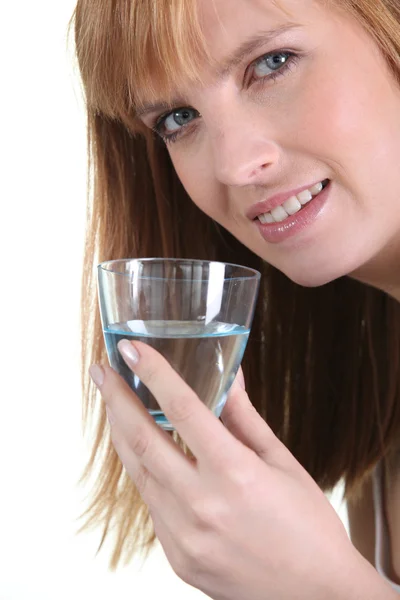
x: 244, y: 151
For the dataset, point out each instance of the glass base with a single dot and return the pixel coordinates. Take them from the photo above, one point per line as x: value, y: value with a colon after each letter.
x: 161, y: 420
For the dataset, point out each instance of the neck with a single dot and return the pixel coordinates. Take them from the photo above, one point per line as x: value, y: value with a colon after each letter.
x: 383, y: 272
x: 388, y: 282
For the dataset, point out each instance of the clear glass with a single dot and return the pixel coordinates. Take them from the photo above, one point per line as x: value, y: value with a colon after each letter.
x: 197, y: 314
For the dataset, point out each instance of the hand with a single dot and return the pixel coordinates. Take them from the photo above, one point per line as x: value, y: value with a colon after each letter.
x: 243, y: 520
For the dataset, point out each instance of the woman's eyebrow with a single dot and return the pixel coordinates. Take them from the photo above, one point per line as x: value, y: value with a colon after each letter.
x: 251, y: 44
x: 152, y: 107
x: 243, y: 51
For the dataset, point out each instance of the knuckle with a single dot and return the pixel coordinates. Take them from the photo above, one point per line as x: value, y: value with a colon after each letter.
x: 240, y: 476
x: 207, y: 514
x: 150, y: 375
x: 140, y: 444
x: 181, y: 408
x: 226, y: 460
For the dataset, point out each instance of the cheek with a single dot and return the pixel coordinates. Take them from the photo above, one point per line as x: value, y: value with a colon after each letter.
x: 351, y: 121
x: 195, y: 172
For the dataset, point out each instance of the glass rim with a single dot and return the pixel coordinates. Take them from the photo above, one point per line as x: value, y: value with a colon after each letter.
x: 253, y: 276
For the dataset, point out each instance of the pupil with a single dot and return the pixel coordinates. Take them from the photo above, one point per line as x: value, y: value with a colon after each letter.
x: 278, y: 59
x: 182, y: 116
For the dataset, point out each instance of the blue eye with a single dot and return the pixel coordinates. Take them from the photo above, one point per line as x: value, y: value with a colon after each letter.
x: 175, y: 120
x: 269, y: 67
x: 271, y: 63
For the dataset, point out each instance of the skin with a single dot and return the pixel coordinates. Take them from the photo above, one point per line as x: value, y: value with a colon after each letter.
x: 336, y: 115
x: 233, y: 521
x: 318, y: 120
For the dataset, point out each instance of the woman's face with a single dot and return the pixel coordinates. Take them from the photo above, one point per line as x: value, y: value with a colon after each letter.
x: 312, y: 100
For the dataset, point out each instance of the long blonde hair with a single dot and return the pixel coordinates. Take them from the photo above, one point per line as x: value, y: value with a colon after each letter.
x: 331, y: 393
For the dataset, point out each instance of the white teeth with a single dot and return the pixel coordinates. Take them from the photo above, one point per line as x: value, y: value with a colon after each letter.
x: 316, y: 189
x: 292, y: 206
x: 279, y: 214
x: 266, y: 218
x: 304, y: 197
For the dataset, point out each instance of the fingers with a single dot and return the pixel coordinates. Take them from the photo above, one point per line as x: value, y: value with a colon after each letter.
x: 138, y: 439
x: 136, y: 471
x: 240, y: 378
x: 241, y: 418
x: 205, y: 435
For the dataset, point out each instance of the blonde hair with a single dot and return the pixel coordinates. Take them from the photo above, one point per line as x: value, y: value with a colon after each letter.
x: 332, y: 392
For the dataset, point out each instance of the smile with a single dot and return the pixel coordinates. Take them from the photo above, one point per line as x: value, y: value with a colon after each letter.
x: 293, y: 205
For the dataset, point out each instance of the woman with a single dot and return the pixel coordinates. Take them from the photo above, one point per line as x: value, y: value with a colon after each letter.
x: 264, y: 133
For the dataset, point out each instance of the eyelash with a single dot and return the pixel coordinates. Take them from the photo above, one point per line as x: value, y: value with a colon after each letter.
x: 292, y: 60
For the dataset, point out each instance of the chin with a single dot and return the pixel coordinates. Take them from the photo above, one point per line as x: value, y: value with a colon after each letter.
x: 324, y: 263
x: 312, y: 277
x: 310, y: 280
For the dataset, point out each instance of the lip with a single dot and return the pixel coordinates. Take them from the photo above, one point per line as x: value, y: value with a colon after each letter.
x: 267, y: 205
x: 275, y: 233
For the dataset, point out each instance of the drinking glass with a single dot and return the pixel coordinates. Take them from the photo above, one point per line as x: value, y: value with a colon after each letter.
x: 196, y: 313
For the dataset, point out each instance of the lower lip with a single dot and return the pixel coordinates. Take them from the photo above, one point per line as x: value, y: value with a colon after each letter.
x: 279, y: 232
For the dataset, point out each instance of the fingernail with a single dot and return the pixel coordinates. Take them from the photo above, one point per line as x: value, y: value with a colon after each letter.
x: 128, y: 351
x: 97, y: 374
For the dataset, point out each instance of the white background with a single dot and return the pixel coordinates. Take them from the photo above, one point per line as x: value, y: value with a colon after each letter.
x: 42, y: 450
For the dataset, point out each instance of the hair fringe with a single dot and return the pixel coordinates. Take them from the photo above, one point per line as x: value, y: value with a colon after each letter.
x: 331, y: 393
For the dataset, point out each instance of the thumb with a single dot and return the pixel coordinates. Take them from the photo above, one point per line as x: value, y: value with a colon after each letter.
x: 241, y: 418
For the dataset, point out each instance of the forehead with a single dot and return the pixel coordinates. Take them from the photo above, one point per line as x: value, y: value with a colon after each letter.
x: 224, y: 26
x: 225, y: 22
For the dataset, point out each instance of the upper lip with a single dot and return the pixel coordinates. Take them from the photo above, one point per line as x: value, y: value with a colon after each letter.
x: 270, y: 203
